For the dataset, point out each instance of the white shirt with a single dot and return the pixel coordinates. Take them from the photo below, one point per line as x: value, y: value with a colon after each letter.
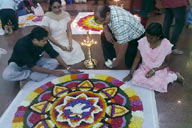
x: 8, y: 4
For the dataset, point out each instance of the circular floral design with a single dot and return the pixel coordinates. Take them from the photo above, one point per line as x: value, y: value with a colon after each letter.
x: 81, y: 101
x: 88, y: 23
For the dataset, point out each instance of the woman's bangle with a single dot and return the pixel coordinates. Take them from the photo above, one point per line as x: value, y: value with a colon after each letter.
x: 131, y: 73
x: 68, y: 68
x: 153, y: 70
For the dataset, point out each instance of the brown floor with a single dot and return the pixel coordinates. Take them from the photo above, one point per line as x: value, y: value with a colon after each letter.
x: 174, y: 108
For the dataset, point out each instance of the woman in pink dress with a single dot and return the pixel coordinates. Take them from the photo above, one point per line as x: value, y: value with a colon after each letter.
x: 154, y: 51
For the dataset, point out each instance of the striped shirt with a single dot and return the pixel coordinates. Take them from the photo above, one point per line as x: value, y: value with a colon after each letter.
x: 124, y: 26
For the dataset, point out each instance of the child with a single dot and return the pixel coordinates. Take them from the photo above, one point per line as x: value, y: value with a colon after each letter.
x: 153, y: 72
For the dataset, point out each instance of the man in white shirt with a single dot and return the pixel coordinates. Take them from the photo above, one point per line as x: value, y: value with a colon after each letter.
x: 121, y: 32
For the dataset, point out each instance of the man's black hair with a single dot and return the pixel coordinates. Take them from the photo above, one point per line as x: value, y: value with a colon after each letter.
x: 39, y: 33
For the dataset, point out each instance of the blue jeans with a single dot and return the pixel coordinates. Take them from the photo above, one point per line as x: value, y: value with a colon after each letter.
x: 189, y: 16
x: 179, y: 14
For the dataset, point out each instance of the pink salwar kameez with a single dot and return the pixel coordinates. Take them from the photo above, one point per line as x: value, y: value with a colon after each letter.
x: 154, y: 58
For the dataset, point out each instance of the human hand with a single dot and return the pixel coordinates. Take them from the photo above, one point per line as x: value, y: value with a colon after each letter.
x: 115, y: 63
x: 58, y: 73
x: 70, y: 48
x: 150, y: 73
x: 128, y: 77
x: 72, y: 70
x: 109, y: 36
x: 64, y: 48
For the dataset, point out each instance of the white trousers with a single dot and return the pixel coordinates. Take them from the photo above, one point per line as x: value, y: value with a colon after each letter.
x: 15, y: 73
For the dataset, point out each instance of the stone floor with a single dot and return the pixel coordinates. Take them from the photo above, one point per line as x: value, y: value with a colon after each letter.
x: 174, y: 108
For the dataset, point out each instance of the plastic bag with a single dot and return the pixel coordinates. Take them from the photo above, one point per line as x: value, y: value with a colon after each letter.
x: 38, y: 11
x: 2, y: 51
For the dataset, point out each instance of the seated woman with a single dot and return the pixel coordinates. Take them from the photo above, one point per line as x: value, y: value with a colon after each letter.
x: 58, y: 24
x: 154, y: 51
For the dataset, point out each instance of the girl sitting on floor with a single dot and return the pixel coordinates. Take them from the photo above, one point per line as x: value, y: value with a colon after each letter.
x: 153, y: 72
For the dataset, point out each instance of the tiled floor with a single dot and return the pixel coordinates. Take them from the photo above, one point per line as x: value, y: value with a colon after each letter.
x: 174, y: 108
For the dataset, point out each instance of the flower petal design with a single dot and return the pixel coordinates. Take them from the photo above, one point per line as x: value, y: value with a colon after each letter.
x: 85, y: 86
x: 101, y: 125
x: 41, y: 107
x: 60, y: 91
x: 108, y: 93
x: 74, y: 112
x: 115, y: 110
x: 45, y: 124
x: 83, y: 101
x: 88, y: 23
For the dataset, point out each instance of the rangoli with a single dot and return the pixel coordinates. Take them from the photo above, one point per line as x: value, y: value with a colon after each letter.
x: 88, y: 23
x: 81, y: 101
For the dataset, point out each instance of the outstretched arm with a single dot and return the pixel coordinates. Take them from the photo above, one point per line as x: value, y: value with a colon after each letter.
x: 108, y: 34
x: 47, y: 71
x: 61, y: 62
x: 120, y: 50
x: 134, y: 66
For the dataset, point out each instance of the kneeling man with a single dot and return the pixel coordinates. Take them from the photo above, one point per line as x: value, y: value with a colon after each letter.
x: 27, y: 61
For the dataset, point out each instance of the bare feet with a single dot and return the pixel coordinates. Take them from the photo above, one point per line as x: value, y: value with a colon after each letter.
x: 177, y: 52
x: 180, y: 78
x: 6, y: 30
x: 23, y: 82
x: 10, y: 29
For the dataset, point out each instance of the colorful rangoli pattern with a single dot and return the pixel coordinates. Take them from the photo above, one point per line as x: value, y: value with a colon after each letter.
x: 26, y: 20
x: 88, y: 23
x: 81, y: 101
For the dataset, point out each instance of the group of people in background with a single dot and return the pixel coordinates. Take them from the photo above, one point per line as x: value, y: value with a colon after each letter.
x: 124, y: 38
x: 10, y: 10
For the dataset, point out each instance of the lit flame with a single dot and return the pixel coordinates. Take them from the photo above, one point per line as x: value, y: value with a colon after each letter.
x: 88, y: 42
